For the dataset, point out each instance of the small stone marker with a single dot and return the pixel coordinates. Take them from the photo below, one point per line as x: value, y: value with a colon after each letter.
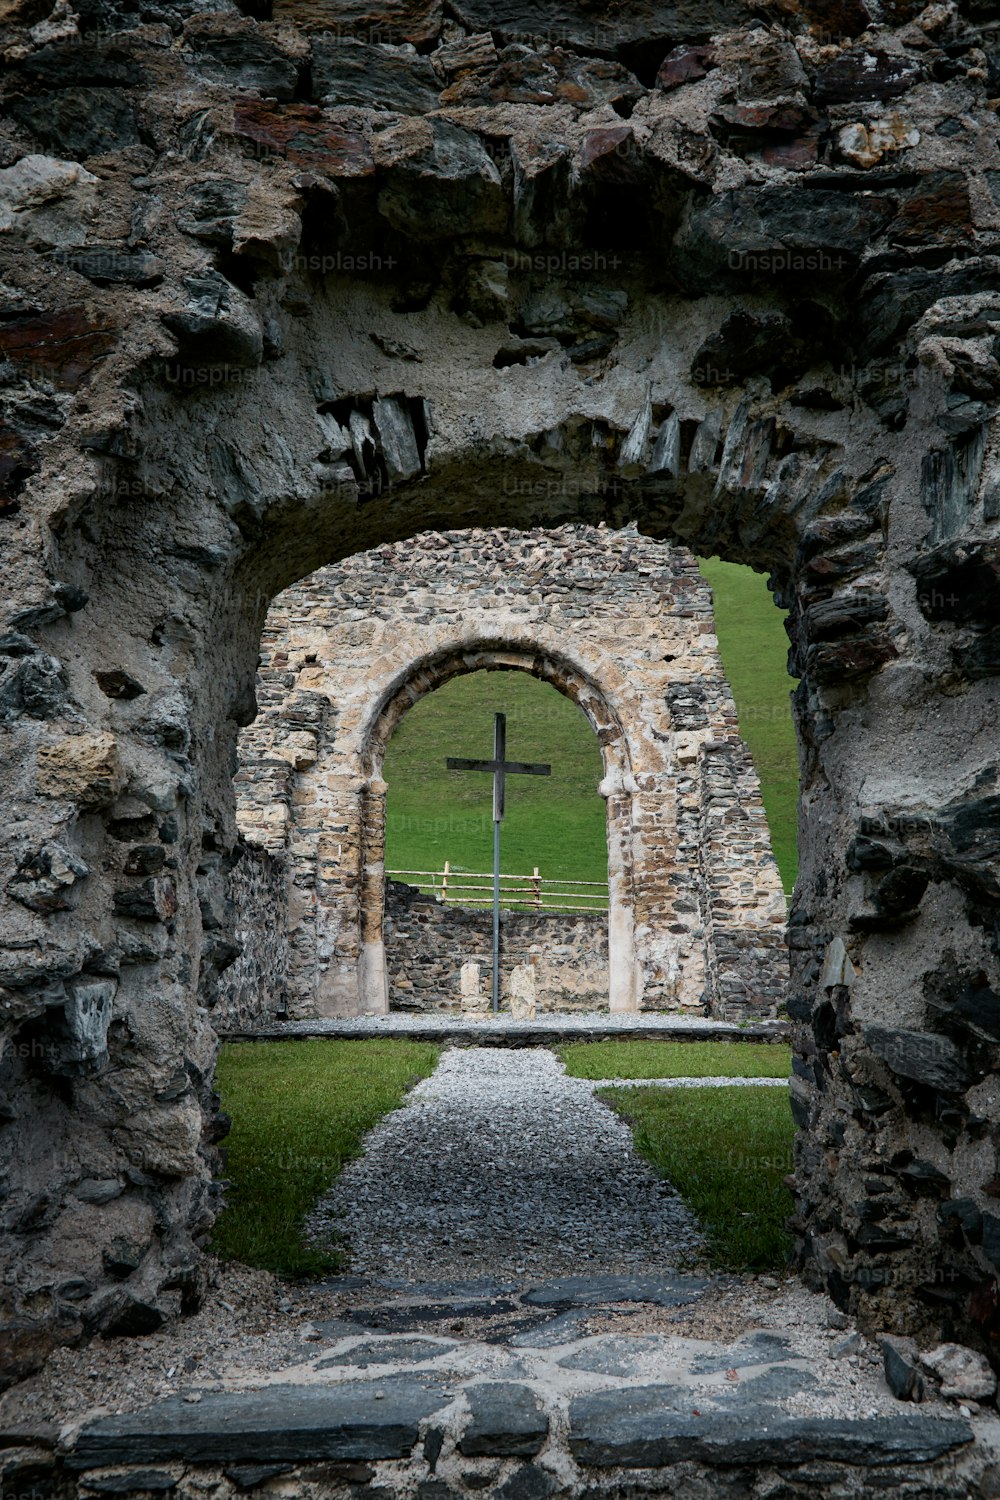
x: 474, y: 1001
x: 522, y: 993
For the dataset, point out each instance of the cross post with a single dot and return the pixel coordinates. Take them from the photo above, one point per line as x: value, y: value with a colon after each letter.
x: 501, y: 768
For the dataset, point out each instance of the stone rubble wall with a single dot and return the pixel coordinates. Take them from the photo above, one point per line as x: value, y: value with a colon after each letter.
x: 427, y: 943
x: 253, y: 989
x: 622, y: 622
x: 730, y: 273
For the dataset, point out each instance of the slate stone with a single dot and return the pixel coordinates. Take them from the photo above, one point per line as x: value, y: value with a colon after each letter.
x: 454, y: 178
x: 508, y: 1421
x: 78, y: 123
x: 392, y: 1318
x: 927, y: 1059
x: 387, y: 1351
x: 245, y: 61
x: 578, y: 25
x: 592, y: 1291
x: 157, y: 1481
x: 902, y: 1372
x: 527, y: 1483
x: 758, y: 1349
x: 612, y: 1355
x: 864, y: 75
x: 565, y: 1328
x: 108, y: 265
x: 373, y: 77
x: 770, y: 1385
x: 248, y: 1475
x: 637, y: 1428
x: 217, y: 325
x: 282, y: 1422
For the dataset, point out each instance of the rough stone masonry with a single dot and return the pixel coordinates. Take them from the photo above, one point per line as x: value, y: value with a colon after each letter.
x: 283, y: 286
x: 623, y: 626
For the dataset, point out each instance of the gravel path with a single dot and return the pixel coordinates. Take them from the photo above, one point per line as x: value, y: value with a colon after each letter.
x: 501, y: 1165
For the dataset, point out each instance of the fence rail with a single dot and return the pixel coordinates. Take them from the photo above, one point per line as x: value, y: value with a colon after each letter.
x: 538, y: 893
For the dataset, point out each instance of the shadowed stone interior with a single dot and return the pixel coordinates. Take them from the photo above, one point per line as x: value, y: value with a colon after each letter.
x: 734, y: 277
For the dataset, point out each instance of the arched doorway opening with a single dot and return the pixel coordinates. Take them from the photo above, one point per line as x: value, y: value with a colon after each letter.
x: 616, y: 785
x: 553, y: 909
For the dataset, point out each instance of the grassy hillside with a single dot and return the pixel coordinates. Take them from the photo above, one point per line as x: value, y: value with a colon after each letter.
x: 557, y: 822
x: 754, y: 650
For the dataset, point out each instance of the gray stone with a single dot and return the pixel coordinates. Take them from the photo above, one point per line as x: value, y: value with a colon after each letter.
x: 756, y: 1349
x: 641, y: 1428
x: 931, y: 1060
x: 387, y: 1351
x: 155, y: 1481
x: 373, y: 76
x: 508, y: 1421
x: 269, y: 1426
x: 902, y: 1373
x: 246, y: 1476
x: 527, y: 1483
x: 612, y: 1355
x: 963, y: 1373
x: 397, y: 440
x: 590, y: 1291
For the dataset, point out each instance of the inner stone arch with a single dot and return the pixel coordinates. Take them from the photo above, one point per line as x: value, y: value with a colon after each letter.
x: 620, y: 624
x: 617, y: 787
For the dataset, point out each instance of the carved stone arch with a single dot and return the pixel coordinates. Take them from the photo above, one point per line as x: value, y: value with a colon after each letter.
x: 592, y: 685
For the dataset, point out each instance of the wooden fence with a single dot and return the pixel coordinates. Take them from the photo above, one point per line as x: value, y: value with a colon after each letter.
x: 475, y: 888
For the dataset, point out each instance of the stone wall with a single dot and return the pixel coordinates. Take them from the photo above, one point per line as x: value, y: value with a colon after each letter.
x: 619, y: 622
x: 427, y: 942
x: 731, y: 275
x: 253, y: 989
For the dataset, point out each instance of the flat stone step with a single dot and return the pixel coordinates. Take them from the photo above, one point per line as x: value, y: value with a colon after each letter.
x: 503, y: 1031
x: 371, y: 1421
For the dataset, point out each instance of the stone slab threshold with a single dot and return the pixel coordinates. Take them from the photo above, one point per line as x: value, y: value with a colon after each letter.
x: 504, y: 1031
x: 391, y: 1400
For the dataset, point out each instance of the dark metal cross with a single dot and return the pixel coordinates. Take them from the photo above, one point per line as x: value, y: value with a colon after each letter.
x: 501, y: 769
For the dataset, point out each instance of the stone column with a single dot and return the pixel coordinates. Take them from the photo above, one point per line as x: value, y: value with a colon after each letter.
x: 624, y: 978
x: 373, y: 983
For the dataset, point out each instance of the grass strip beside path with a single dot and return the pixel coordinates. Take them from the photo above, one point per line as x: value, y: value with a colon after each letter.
x: 300, y: 1110
x: 662, y: 1059
x: 726, y: 1151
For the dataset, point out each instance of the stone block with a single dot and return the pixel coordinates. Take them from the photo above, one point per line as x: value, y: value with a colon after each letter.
x: 82, y: 768
x: 282, y: 1422
x: 521, y: 992
x: 642, y: 1427
x: 507, y: 1421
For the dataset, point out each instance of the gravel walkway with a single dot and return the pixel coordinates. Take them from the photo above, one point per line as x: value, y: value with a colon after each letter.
x: 501, y: 1165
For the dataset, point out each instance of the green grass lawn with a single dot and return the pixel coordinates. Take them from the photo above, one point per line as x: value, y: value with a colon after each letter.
x: 656, y: 1059
x: 726, y: 1151
x: 299, y: 1111
x: 558, y: 822
x: 754, y: 649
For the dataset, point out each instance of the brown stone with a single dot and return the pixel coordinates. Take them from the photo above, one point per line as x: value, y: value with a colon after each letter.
x: 304, y: 135
x: 81, y: 768
x: 63, y: 345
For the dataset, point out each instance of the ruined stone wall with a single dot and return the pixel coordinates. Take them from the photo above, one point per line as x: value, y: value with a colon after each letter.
x: 732, y: 274
x: 623, y: 624
x: 253, y: 989
x: 427, y: 943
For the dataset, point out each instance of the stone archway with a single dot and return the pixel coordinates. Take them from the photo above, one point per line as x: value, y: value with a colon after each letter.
x: 278, y: 352
x: 620, y: 625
